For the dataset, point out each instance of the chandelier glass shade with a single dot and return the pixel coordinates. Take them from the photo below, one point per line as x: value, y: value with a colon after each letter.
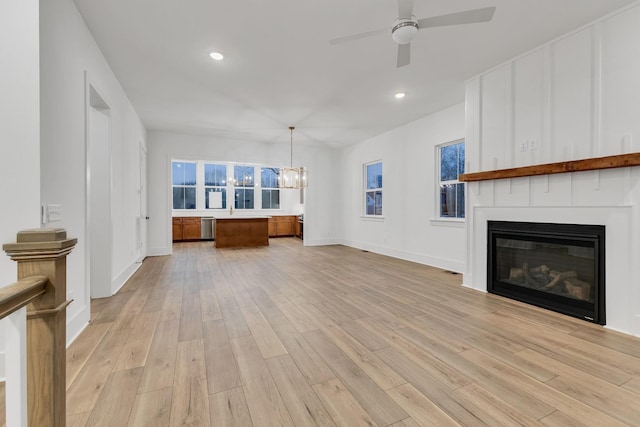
x: 293, y: 177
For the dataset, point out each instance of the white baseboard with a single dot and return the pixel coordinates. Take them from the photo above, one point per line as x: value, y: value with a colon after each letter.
x: 160, y: 251
x: 322, y: 242
x: 443, y: 263
x: 636, y: 325
x: 122, y: 278
x: 76, y: 325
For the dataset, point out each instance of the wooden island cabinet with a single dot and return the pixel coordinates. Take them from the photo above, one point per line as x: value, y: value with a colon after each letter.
x: 241, y: 231
x: 186, y: 228
x: 282, y: 225
x: 189, y: 228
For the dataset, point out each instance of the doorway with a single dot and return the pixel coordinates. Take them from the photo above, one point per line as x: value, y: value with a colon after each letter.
x: 141, y: 225
x: 98, y: 209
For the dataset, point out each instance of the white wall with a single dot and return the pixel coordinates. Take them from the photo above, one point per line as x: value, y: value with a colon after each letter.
x: 19, y: 131
x: 68, y: 51
x: 573, y: 98
x: 320, y: 221
x: 409, y: 229
x: 19, y: 125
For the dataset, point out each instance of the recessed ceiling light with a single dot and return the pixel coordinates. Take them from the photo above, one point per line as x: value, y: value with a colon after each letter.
x: 216, y: 55
x: 399, y: 95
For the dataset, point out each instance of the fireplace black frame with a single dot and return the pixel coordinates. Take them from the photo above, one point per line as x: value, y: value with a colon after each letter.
x: 550, y: 233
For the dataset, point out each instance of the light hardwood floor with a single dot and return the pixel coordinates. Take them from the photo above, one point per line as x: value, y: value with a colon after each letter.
x: 332, y: 336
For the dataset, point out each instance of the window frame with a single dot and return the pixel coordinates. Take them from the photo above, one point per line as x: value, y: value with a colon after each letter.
x: 270, y: 189
x: 440, y: 183
x: 366, y: 190
x: 244, y: 186
x: 184, y: 186
x: 224, y: 189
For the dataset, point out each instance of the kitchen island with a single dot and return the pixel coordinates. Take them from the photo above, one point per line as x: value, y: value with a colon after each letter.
x: 241, y: 231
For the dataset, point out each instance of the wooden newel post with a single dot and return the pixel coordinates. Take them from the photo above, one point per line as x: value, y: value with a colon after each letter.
x: 44, y: 252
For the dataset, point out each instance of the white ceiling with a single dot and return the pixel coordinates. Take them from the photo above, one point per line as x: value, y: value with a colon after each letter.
x: 280, y: 70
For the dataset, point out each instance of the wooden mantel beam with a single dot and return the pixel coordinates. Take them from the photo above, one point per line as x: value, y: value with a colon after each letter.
x: 609, y: 162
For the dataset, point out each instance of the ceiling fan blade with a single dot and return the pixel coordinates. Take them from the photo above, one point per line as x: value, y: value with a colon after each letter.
x: 358, y: 36
x: 405, y: 9
x: 404, y: 55
x: 467, y: 17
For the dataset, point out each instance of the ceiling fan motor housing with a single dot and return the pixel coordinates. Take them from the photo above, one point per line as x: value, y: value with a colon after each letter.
x: 404, y: 31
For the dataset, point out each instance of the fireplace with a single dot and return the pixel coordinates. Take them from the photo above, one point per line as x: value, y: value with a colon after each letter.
x: 555, y: 266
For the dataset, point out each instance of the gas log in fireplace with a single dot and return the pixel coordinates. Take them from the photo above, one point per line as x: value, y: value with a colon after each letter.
x: 555, y: 266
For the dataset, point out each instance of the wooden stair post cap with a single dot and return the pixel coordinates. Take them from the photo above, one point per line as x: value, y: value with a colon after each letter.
x: 41, y: 241
x: 41, y: 235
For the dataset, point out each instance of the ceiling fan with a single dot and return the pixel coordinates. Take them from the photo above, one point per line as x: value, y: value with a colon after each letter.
x: 406, y: 27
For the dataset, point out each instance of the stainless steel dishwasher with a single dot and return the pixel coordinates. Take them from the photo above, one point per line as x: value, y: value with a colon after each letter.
x: 206, y: 228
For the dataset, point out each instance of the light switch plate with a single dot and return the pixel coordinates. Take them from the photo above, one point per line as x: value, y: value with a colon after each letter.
x: 54, y: 213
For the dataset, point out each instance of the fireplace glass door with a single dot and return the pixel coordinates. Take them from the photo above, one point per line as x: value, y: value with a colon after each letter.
x: 555, y: 266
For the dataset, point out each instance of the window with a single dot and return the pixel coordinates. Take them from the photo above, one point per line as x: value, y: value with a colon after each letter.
x: 451, y: 164
x: 373, y: 188
x: 243, y: 179
x: 215, y: 186
x: 184, y: 185
x: 205, y: 185
x: 270, y: 191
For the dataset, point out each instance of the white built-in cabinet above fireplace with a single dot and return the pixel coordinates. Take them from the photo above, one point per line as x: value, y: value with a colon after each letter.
x: 575, y: 98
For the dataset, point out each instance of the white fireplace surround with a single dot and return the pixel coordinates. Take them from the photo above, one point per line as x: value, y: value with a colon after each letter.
x: 622, y: 244
x: 573, y: 98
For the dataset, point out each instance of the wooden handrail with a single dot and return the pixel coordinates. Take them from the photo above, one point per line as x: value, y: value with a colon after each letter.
x: 19, y: 294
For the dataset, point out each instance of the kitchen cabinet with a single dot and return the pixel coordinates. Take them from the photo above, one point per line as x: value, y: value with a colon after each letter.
x: 283, y: 225
x: 186, y: 228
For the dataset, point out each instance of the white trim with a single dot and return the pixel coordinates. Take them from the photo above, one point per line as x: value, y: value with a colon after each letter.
x: 439, y: 183
x: 78, y: 324
x: 636, y: 329
x: 448, y: 222
x: 118, y: 282
x: 158, y: 251
x: 199, y: 169
x: 90, y: 84
x: 442, y: 263
x: 378, y: 218
x: 322, y: 242
x: 366, y: 190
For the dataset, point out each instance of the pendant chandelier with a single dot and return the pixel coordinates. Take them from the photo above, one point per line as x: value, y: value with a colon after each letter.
x: 293, y: 177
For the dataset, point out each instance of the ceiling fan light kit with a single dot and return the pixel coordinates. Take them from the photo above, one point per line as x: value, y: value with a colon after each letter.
x: 404, y: 31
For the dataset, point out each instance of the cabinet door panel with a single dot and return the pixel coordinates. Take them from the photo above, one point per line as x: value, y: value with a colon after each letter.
x: 272, y: 227
x: 177, y: 229
x: 282, y: 226
x: 191, y: 229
